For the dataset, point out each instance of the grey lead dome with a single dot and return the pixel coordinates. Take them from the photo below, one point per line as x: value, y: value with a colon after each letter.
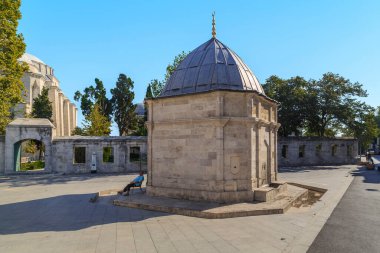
x: 211, y: 66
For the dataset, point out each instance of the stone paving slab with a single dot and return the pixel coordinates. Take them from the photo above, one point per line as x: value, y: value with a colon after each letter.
x: 50, y: 213
x: 211, y: 210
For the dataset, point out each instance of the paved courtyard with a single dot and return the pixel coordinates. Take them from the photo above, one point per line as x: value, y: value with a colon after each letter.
x: 354, y: 226
x: 51, y: 213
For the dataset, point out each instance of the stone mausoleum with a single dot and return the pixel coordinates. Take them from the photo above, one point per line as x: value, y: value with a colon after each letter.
x: 212, y: 132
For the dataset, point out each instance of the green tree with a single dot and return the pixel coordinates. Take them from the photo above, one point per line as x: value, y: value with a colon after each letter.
x: 42, y: 107
x: 123, y: 107
x: 12, y: 47
x: 149, y: 93
x: 79, y: 131
x: 292, y: 95
x: 140, y: 129
x: 154, y: 88
x: 30, y: 147
x: 96, y: 124
x: 364, y: 127
x: 94, y: 95
x: 173, y: 66
x: 332, y: 101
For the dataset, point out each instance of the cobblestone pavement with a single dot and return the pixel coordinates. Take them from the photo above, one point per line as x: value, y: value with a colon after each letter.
x: 51, y: 213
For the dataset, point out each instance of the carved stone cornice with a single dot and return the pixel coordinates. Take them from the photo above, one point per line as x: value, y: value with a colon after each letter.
x: 36, y: 75
x: 217, y: 121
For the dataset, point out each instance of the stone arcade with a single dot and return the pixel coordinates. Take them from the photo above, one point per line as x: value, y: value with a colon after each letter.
x: 212, y: 132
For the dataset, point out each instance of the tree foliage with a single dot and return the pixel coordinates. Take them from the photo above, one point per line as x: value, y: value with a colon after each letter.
x: 324, y: 107
x: 96, y: 124
x: 292, y: 95
x: 173, y: 66
x: 30, y: 147
x: 123, y: 107
x: 155, y: 86
x: 364, y: 128
x: 140, y: 129
x: 12, y: 47
x: 42, y: 107
x: 94, y: 96
x: 332, y: 102
x: 79, y: 131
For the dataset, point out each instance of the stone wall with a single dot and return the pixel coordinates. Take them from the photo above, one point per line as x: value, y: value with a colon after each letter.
x: 216, y: 146
x: 64, y: 151
x: 304, y: 151
x: 2, y: 153
x: 71, y: 154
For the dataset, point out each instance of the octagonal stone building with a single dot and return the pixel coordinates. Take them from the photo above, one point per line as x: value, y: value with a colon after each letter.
x: 212, y: 132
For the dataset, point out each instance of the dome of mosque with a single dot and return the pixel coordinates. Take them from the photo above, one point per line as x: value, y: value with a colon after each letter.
x: 29, y: 58
x: 211, y: 66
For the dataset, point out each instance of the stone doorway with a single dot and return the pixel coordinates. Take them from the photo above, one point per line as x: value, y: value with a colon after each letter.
x: 29, y: 155
x: 21, y: 130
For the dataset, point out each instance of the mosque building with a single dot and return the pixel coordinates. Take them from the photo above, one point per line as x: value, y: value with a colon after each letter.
x: 41, y: 75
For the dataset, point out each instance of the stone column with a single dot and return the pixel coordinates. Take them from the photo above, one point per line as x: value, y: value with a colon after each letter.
x: 53, y: 97
x: 75, y: 116
x: 149, y: 125
x: 72, y: 116
x: 258, y: 143
x: 60, y: 114
x: 253, y: 156
x: 66, y: 117
x: 258, y: 135
x: 220, y: 139
x: 270, y: 149
x: 275, y: 152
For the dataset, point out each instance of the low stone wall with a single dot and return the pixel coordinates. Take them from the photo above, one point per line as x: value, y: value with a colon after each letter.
x: 305, y: 151
x: 2, y: 154
x: 65, y: 148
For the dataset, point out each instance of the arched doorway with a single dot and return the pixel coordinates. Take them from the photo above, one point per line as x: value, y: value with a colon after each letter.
x: 29, y: 155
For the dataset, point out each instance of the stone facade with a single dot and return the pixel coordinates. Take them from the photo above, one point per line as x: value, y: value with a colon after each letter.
x: 60, y: 152
x: 217, y: 145
x: 38, y: 76
x: 306, y: 151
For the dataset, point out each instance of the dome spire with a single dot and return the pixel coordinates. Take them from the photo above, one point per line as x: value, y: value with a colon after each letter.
x: 213, y: 25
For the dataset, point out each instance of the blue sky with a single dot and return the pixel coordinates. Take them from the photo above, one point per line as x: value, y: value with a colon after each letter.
x: 85, y: 39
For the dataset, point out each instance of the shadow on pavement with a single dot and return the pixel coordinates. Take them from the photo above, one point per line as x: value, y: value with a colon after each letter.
x: 303, y: 169
x: 65, y: 213
x: 369, y: 176
x: 46, y: 179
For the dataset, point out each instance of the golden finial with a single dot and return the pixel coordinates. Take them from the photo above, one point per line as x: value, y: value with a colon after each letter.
x: 213, y: 25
